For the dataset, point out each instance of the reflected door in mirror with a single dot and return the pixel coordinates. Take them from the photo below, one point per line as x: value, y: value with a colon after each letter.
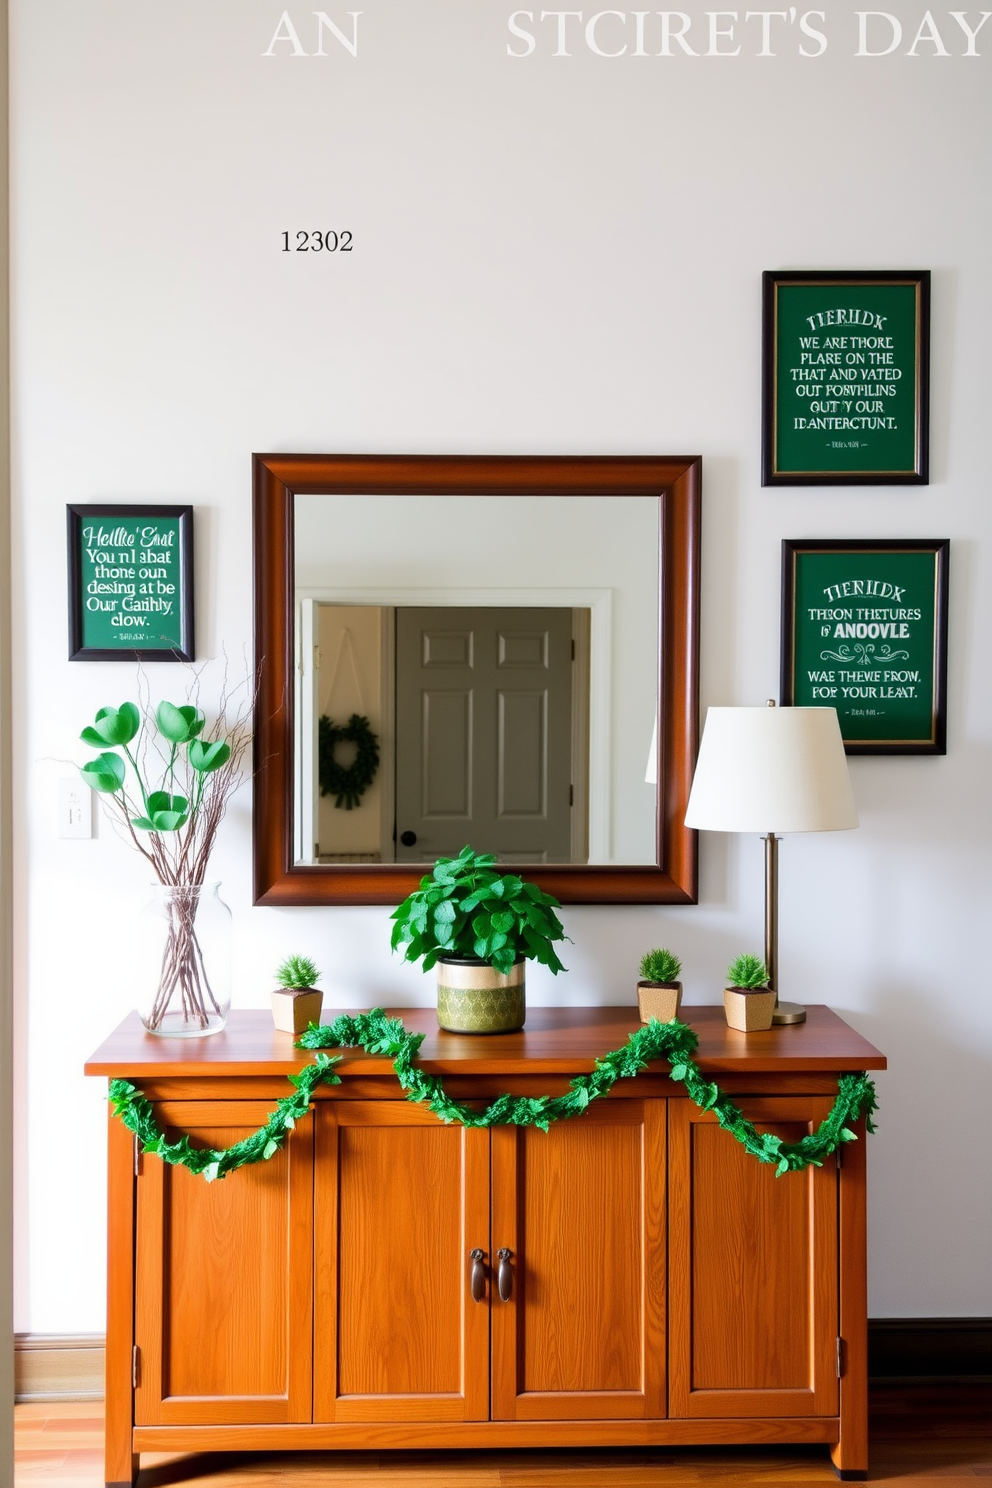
x: 484, y: 733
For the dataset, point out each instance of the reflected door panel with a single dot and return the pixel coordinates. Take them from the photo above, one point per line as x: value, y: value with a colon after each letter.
x: 484, y: 733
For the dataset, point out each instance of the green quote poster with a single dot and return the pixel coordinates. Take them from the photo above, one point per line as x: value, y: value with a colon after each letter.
x: 847, y: 398
x: 130, y: 580
x: 867, y: 640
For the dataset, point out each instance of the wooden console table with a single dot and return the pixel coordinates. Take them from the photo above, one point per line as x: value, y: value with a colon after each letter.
x: 659, y: 1286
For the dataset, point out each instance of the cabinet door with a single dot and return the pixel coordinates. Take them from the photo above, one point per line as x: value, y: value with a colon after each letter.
x: 753, y: 1298
x: 581, y: 1207
x: 401, y: 1202
x: 223, y: 1284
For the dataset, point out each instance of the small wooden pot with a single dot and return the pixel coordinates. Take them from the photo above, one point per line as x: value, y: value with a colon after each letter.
x: 295, y: 1008
x: 749, y: 1012
x: 660, y: 1000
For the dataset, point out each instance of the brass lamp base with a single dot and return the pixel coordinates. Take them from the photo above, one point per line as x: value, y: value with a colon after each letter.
x: 789, y: 1012
x: 785, y: 1012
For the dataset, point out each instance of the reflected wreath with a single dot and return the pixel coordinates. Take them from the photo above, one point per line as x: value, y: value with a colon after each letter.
x: 378, y: 1034
x: 347, y: 783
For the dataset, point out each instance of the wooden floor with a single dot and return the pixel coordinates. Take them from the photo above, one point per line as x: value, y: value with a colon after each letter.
x: 921, y: 1435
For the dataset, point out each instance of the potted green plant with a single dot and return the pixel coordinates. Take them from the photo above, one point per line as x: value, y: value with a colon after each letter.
x: 297, y: 1001
x: 478, y: 927
x: 659, y: 992
x: 748, y: 1000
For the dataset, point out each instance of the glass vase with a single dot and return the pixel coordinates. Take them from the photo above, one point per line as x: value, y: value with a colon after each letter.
x: 183, y: 960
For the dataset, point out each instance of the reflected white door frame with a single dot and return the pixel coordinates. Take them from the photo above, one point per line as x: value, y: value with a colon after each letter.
x: 307, y: 724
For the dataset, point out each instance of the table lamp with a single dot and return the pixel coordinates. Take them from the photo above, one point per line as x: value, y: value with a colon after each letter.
x: 772, y: 770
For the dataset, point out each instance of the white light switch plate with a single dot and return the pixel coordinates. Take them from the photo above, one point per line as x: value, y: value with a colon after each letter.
x: 75, y: 809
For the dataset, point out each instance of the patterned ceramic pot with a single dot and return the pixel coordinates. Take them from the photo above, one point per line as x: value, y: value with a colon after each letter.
x: 473, y: 997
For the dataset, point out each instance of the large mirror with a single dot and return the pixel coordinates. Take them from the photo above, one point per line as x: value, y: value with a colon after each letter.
x: 448, y: 651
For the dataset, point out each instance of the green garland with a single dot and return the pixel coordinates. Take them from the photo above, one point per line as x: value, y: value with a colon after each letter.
x: 377, y: 1034
x: 674, y: 1041
x: 138, y: 1115
x: 347, y: 784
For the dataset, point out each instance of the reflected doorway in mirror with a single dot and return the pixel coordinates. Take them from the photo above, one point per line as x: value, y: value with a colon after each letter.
x: 402, y: 554
x: 482, y: 719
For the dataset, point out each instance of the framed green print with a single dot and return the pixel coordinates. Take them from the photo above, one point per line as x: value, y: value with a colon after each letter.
x: 846, y: 378
x: 130, y: 583
x: 864, y: 630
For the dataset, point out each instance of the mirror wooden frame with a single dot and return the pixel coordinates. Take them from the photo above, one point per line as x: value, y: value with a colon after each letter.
x: 277, y: 479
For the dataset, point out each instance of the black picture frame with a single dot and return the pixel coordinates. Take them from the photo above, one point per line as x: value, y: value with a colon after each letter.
x: 885, y: 656
x: 887, y: 419
x: 177, y: 643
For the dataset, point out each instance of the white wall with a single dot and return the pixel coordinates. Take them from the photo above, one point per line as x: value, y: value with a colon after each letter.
x: 6, y: 876
x: 551, y: 254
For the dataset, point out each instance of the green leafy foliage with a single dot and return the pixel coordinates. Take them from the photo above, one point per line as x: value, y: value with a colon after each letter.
x: 138, y: 1115
x: 165, y: 813
x: 747, y: 972
x: 205, y: 757
x: 660, y: 966
x: 181, y: 724
x: 113, y: 726
x: 105, y: 773
x: 346, y: 783
x: 162, y: 810
x: 378, y: 1034
x: 466, y: 908
x: 297, y: 972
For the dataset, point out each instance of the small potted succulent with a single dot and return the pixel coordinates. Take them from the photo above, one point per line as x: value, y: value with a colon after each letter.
x: 748, y: 1000
x: 659, y: 992
x: 296, y: 1002
x: 478, y: 927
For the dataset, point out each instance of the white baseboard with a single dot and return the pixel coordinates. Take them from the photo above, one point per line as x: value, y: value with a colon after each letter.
x: 58, y: 1366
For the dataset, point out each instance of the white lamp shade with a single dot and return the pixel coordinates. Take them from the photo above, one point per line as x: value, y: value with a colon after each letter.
x: 771, y: 770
